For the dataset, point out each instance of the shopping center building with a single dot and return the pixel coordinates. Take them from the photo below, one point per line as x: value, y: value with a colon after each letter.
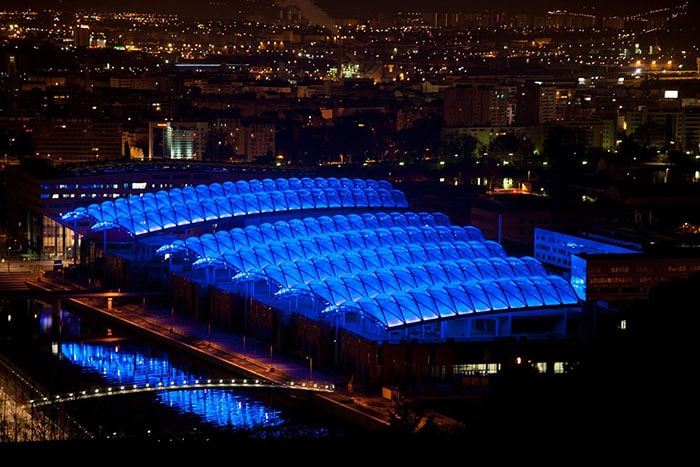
x: 338, y: 270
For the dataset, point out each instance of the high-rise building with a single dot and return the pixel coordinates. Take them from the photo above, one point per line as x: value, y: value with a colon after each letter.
x: 81, y: 36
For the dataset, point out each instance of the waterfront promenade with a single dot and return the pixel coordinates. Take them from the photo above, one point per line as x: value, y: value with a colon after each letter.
x: 372, y: 412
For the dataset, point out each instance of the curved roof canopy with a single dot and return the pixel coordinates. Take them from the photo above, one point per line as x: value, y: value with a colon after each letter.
x: 155, y: 212
x: 395, y: 268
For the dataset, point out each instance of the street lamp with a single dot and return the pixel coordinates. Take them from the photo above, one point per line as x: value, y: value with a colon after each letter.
x: 75, y: 216
x: 104, y: 227
x: 311, y: 368
x: 170, y: 249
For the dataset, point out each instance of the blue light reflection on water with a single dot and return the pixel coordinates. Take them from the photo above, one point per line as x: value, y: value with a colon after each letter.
x: 120, y: 365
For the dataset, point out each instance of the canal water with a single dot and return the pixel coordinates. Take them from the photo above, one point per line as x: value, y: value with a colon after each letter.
x: 73, y: 353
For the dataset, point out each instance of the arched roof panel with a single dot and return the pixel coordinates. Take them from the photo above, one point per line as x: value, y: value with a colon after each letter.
x: 373, y: 198
x: 370, y: 238
x: 203, y: 191
x: 399, y: 198
x: 176, y: 196
x: 345, y: 198
x: 255, y: 185
x: 223, y: 205
x: 323, y: 267
x: 469, y: 269
x: 306, y: 199
x: 242, y: 187
x: 436, y: 272
x: 224, y: 239
x: 503, y: 267
x: 292, y: 200
x: 168, y: 217
x: 308, y: 183
x: 251, y: 203
x: 313, y: 226
x: 495, y: 248
x: 407, y: 307
x: 269, y: 185
x: 385, y: 198
x: 182, y: 214
x: 567, y: 294
x: 309, y: 247
x: 386, y: 184
x: 359, y: 197
x: 230, y: 188
x: 298, y: 228
x: 443, y: 302
x: 210, y: 210
x: 481, y: 300
x: 535, y: 267
x: 340, y: 241
x: 386, y: 280
x: 404, y: 278
x: 496, y: 295
x: 163, y: 198
x: 254, y: 234
x: 333, y: 198
x: 321, y: 182
x: 190, y: 194
x: 327, y: 224
x: 341, y: 222
x: 281, y: 184
x: 239, y: 238
x: 278, y: 201
x: 284, y: 231
x: 383, y: 309
x: 400, y: 235
x: 295, y: 184
x: 238, y: 206
x: 216, y: 190
x: 372, y: 285
x: 359, y: 183
x: 531, y: 291
x: 355, y: 287
x: 269, y: 232
x: 463, y: 303
x: 319, y: 197
x: 279, y: 252
x: 512, y: 292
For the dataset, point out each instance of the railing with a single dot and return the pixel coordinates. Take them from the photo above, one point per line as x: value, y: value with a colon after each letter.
x: 174, y: 386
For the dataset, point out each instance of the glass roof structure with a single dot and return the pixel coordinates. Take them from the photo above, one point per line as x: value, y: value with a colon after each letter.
x: 157, y: 212
x: 395, y: 268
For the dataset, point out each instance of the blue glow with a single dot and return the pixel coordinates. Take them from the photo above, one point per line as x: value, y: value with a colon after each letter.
x: 154, y: 212
x: 120, y: 365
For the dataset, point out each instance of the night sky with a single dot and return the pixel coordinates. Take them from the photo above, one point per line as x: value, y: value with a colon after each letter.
x: 358, y: 7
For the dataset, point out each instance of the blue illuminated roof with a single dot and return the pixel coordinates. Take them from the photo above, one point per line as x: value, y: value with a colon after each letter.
x: 396, y: 268
x: 156, y: 212
x: 393, y: 266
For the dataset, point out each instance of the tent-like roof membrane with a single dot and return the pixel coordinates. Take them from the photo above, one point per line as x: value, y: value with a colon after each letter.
x: 155, y: 212
x: 395, y: 268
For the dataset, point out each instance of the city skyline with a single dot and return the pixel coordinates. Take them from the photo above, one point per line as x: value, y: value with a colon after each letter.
x: 357, y: 8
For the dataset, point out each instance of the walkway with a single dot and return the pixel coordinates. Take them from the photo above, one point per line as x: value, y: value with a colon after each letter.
x: 370, y: 410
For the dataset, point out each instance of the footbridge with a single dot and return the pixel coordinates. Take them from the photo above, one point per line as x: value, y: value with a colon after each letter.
x: 121, y: 390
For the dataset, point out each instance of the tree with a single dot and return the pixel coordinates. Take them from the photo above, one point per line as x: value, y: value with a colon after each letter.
x: 410, y: 418
x: 422, y: 137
